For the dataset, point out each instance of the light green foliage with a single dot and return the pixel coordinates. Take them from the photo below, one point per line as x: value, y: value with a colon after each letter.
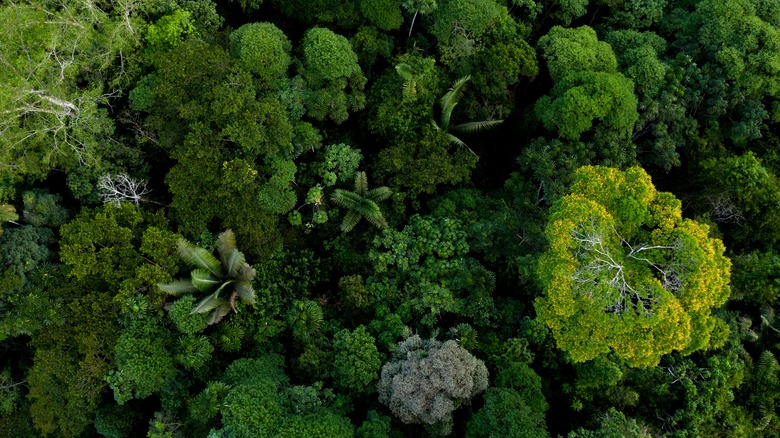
x: 423, y: 271
x: 636, y: 14
x: 277, y: 196
x: 353, y: 292
x: 361, y: 204
x: 627, y: 271
x: 53, y: 106
x: 144, y: 363
x: 320, y: 425
x: 170, y: 30
x: 186, y: 322
x: 357, y: 362
x: 384, y: 14
x: 637, y: 54
x: 428, y: 380
x: 580, y: 99
x: 264, y: 50
x: 43, y: 209
x: 575, y: 50
x: 331, y: 69
x: 231, y: 274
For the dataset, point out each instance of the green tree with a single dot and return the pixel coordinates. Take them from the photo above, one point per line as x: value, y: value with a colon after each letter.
x: 428, y: 380
x: 331, y: 70
x: 568, y: 50
x: 356, y: 365
x: 230, y: 274
x: 625, y: 273
x: 361, y: 203
x: 264, y: 50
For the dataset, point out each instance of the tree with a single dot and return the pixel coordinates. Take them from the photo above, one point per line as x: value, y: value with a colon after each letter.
x: 569, y: 50
x: 264, y: 50
x: 333, y: 75
x: 447, y: 104
x: 215, y: 277
x: 428, y: 380
x: 361, y: 203
x: 625, y: 272
x: 356, y: 365
x: 121, y: 187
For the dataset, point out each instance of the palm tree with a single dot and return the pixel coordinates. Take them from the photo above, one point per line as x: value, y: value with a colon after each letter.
x: 224, y: 280
x: 362, y: 203
x: 448, y: 103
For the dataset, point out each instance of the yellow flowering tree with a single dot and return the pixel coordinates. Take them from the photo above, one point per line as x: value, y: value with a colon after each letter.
x: 626, y: 273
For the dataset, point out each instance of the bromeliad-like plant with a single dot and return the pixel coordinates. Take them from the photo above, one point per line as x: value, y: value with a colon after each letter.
x: 362, y: 203
x: 223, y: 280
x: 448, y: 103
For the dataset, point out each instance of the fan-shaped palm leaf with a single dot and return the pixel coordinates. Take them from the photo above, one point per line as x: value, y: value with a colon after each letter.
x: 233, y: 263
x: 350, y: 220
x: 246, y: 273
x: 474, y: 127
x: 208, y: 303
x: 361, y: 183
x: 379, y: 194
x: 199, y: 257
x: 226, y: 244
x: 219, y: 312
x: 345, y: 198
x: 204, y: 281
x: 178, y: 287
x: 246, y: 292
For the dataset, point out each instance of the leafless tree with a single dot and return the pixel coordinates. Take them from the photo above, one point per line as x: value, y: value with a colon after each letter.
x: 121, y: 187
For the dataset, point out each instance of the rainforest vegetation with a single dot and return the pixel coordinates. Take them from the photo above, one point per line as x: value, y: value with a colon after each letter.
x: 389, y: 218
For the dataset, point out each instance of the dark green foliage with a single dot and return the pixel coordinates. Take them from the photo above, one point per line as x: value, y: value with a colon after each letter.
x: 43, y: 209
x: 22, y: 251
x: 144, y: 363
x: 361, y: 204
x: 305, y: 319
x: 375, y: 426
x: 186, y: 322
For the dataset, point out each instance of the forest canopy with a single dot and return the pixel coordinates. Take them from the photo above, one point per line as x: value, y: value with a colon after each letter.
x: 389, y: 218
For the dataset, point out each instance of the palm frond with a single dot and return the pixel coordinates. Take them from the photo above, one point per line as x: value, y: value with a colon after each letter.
x: 367, y: 207
x: 350, y: 220
x: 219, y: 312
x: 455, y: 140
x: 450, y: 100
x: 178, y: 287
x: 409, y: 89
x: 246, y: 292
x: 199, y: 257
x: 361, y: 183
x: 474, y: 127
x: 246, y: 273
x: 345, y: 198
x: 233, y: 263
x: 377, y: 220
x: 379, y: 194
x: 226, y: 243
x: 207, y: 304
x: 203, y: 280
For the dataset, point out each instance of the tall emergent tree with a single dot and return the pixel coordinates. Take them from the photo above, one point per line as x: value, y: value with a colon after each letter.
x: 215, y: 277
x: 625, y: 272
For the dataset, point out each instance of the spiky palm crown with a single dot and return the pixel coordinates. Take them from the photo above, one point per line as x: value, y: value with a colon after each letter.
x: 448, y: 103
x: 361, y: 203
x: 224, y: 280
